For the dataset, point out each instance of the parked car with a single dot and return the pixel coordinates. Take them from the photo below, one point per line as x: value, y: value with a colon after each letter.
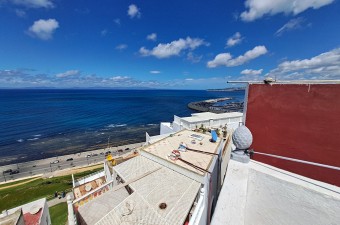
x: 14, y: 172
x: 127, y: 149
x: 8, y: 171
x: 95, y: 154
x: 69, y: 159
x: 88, y: 156
x: 55, y: 162
x: 102, y: 153
x: 120, y: 150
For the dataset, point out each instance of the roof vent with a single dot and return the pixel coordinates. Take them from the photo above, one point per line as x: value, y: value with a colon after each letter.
x: 162, y: 205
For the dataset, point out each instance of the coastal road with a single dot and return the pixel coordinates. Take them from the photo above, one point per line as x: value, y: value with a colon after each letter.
x: 49, y: 165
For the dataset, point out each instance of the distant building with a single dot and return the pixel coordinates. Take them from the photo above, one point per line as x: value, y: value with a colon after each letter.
x: 33, y: 213
x: 158, y: 188
x: 207, y: 119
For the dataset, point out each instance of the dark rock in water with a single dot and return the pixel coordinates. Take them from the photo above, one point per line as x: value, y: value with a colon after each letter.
x: 211, y: 106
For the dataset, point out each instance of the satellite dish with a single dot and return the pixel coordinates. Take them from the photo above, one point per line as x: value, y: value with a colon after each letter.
x: 34, y: 209
x: 242, y: 138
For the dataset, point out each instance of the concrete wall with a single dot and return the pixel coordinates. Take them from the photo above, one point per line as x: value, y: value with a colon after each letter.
x: 210, y: 190
x: 166, y: 128
x: 89, y: 178
x: 45, y: 218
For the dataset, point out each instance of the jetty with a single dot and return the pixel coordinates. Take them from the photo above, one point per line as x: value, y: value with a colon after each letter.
x: 211, y: 106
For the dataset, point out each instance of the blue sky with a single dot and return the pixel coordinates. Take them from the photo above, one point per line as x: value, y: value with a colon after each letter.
x: 166, y: 44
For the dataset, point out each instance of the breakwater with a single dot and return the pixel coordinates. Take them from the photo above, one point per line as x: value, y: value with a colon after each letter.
x: 219, y: 105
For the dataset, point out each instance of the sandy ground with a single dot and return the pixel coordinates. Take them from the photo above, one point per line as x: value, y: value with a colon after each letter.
x: 76, y: 170
x: 24, y: 182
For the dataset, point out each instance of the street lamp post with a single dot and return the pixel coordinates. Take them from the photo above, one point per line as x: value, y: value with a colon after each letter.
x: 108, y: 141
x: 4, y: 176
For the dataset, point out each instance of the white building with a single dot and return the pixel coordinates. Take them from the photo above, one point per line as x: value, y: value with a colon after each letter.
x: 207, y: 119
x: 155, y: 189
x: 35, y: 212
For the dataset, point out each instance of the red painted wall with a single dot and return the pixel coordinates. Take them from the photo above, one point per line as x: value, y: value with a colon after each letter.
x: 297, y: 121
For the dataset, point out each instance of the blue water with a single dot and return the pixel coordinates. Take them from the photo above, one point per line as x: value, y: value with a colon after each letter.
x: 36, y: 124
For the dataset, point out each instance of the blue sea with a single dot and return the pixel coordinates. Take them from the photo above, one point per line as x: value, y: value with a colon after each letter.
x: 36, y: 124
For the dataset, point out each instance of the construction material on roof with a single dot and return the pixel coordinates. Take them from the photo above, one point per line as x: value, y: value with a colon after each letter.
x: 163, y: 148
x: 213, y: 136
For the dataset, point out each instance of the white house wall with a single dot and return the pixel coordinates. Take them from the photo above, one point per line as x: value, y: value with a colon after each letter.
x: 166, y: 128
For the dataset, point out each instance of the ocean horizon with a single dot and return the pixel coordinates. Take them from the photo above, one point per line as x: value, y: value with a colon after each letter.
x: 42, y: 123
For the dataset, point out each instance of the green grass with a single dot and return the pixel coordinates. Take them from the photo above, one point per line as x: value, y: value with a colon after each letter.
x: 36, y: 189
x: 15, y: 182
x: 58, y: 214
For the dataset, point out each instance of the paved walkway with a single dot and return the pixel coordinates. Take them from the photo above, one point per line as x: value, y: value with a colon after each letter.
x: 55, y: 201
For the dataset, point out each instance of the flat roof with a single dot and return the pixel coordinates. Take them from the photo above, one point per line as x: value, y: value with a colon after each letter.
x: 163, y: 148
x: 164, y: 185
x: 94, y: 210
x: 197, y: 117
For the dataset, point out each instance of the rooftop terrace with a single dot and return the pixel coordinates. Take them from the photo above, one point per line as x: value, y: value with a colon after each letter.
x: 163, y: 148
x: 87, y: 187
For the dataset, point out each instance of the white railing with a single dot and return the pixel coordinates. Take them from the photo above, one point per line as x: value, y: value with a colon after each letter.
x: 198, y: 217
x: 89, y: 178
x: 107, y: 171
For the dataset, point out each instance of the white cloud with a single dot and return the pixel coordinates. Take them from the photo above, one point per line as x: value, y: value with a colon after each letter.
x: 152, y: 37
x: 251, y: 72
x: 259, y: 8
x: 225, y: 59
x: 20, y: 13
x: 173, y: 48
x: 155, y: 72
x: 43, y: 29
x: 69, y: 73
x: 133, y: 11
x: 34, y: 3
x: 292, y: 24
x: 323, y: 66
x: 121, y: 47
x: 234, y: 40
x: 119, y: 78
x: 194, y: 58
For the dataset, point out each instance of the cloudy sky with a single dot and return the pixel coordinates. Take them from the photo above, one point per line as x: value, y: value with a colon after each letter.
x: 192, y: 44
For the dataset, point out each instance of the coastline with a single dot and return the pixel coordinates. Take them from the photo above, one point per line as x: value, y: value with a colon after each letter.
x: 46, y: 166
x: 211, y: 105
x: 74, y: 143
